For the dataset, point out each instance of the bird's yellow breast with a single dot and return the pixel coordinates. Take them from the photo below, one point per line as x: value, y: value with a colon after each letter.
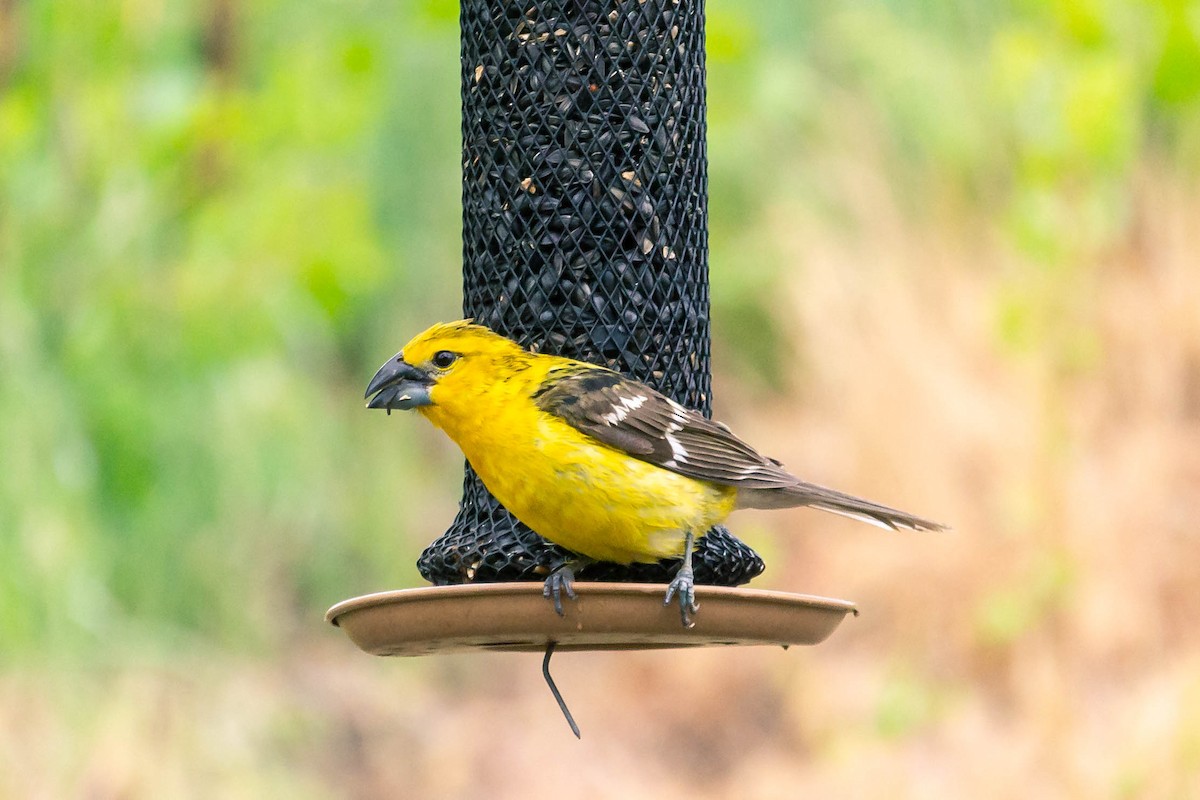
x: 579, y: 493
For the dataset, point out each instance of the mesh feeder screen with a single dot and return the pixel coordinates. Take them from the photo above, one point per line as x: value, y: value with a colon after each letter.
x: 585, y: 231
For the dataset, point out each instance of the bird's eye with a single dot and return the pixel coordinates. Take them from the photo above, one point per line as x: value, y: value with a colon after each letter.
x: 444, y: 358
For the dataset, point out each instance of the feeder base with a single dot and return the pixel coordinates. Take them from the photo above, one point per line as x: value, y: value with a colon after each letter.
x: 606, y: 616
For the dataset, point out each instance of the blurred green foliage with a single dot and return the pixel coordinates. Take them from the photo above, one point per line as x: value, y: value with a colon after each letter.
x: 217, y: 217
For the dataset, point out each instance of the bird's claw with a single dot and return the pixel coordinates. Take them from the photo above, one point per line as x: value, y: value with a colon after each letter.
x: 560, y: 581
x: 684, y: 584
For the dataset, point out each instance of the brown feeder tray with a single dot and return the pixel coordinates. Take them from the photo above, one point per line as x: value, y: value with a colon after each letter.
x: 606, y: 616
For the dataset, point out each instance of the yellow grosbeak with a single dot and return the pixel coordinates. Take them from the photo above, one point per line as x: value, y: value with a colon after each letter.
x: 596, y: 462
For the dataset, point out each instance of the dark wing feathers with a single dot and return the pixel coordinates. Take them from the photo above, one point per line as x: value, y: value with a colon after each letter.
x: 636, y: 419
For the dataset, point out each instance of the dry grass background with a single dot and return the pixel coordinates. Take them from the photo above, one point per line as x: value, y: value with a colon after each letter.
x: 1046, y: 647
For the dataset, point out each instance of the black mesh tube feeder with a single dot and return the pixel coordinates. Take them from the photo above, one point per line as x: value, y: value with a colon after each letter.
x: 584, y: 235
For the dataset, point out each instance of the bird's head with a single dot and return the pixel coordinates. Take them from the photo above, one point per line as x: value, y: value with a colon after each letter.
x: 444, y: 362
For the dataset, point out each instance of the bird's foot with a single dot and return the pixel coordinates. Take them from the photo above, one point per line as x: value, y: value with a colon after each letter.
x: 559, y: 582
x: 684, y: 584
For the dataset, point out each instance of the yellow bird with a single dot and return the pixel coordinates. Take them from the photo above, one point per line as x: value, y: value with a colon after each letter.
x: 596, y: 462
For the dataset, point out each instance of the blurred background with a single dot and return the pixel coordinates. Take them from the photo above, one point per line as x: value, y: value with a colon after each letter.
x: 955, y: 268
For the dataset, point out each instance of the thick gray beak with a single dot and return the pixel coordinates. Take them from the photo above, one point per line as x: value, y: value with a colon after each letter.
x: 399, y: 385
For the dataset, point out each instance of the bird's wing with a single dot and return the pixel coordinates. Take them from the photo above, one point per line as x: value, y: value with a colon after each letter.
x: 644, y: 423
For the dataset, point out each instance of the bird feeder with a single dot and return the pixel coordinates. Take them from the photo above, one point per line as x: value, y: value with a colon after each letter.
x: 584, y: 235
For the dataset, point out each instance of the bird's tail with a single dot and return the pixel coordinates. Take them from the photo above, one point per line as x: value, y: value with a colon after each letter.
x: 847, y: 505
